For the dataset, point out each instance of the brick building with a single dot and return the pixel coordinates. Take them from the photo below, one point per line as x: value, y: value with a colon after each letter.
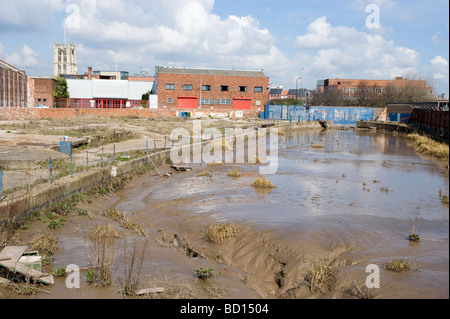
x: 40, y: 91
x: 211, y: 89
x: 349, y: 87
x: 13, y: 86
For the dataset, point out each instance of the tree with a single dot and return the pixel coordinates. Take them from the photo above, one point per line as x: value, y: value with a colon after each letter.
x: 61, y: 92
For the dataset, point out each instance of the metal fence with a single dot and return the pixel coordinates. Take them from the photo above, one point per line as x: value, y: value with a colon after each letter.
x: 433, y: 120
x: 337, y: 115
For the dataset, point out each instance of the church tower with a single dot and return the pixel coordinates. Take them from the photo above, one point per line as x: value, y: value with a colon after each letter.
x: 65, y: 59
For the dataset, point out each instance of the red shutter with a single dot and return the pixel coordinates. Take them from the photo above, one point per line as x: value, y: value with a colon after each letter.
x: 242, y: 103
x: 187, y: 102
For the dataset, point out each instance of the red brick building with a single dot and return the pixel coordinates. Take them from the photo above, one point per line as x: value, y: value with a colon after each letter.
x: 211, y: 89
x: 40, y: 91
x: 13, y: 86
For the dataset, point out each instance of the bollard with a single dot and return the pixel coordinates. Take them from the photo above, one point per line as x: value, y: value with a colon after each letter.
x: 51, y: 171
x: 165, y: 142
x: 154, y: 143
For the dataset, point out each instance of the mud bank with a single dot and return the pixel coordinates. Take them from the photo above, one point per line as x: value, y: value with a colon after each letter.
x: 346, y: 204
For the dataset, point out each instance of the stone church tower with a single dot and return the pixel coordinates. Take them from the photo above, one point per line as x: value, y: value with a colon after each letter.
x: 65, y: 59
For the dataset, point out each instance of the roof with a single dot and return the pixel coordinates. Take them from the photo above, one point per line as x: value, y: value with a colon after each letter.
x: 276, y: 91
x: 9, y: 66
x: 165, y: 70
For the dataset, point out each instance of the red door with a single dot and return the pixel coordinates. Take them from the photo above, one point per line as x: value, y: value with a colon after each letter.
x: 187, y: 102
x: 242, y: 103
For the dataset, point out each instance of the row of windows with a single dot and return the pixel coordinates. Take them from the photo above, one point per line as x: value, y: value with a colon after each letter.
x: 354, y: 90
x: 223, y: 88
x: 208, y: 101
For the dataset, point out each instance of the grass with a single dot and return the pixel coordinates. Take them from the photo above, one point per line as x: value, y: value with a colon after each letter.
x: 234, y: 173
x: 213, y: 164
x: 133, y: 260
x: 204, y: 174
x: 384, y: 189
x: 444, y: 197
x: 317, y: 146
x: 124, y: 221
x: 398, y: 265
x: 321, y: 277
x: 219, y: 234
x: 427, y: 146
x: 103, y: 252
x: 46, y: 245
x: 263, y: 183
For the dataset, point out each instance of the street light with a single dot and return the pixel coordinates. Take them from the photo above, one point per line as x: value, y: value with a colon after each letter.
x: 296, y: 92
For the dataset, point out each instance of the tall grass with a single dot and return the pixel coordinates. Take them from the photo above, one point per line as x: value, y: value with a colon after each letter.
x: 133, y: 260
x: 428, y: 146
x: 219, y: 234
x: 263, y: 183
x: 103, y: 252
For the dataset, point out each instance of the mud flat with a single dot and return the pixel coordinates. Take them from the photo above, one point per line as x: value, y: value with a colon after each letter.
x: 345, y: 205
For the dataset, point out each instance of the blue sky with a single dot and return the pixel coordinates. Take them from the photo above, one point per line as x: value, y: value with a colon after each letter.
x: 314, y: 39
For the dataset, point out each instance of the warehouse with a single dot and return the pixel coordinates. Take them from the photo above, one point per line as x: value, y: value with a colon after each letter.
x: 184, y: 88
x: 13, y: 86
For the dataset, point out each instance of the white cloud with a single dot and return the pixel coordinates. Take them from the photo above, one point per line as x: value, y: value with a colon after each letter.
x: 33, y: 15
x: 439, y: 67
x: 346, y: 52
x: 26, y: 57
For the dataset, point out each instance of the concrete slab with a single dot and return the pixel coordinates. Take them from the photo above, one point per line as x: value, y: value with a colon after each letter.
x: 24, y: 158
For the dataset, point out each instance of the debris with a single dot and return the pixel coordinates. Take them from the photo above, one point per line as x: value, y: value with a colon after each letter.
x: 150, y: 291
x: 181, y: 168
x: 18, y: 259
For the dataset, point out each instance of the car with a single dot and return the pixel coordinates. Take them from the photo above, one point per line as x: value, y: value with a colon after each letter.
x: 41, y: 106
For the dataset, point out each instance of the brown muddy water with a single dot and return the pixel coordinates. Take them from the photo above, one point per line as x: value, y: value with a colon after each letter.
x: 348, y: 203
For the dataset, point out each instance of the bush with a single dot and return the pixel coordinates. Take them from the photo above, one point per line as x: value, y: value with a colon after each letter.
x: 219, y: 234
x: 262, y: 182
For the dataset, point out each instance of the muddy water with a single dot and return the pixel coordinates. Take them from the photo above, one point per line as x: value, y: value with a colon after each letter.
x: 350, y: 203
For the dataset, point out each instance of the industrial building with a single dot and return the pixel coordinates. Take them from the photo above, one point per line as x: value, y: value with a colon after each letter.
x: 186, y: 88
x: 13, y: 86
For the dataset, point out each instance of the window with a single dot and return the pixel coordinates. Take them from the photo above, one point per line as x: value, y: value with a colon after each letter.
x: 207, y: 101
x: 39, y: 100
x: 170, y: 86
x: 206, y: 87
x: 258, y: 89
x: 187, y: 87
x: 242, y: 89
x: 169, y: 100
x: 258, y: 103
x: 224, y: 88
x: 45, y: 100
x: 223, y: 102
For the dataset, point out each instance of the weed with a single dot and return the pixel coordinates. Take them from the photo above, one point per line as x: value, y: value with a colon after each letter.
x: 103, y: 252
x: 384, y: 189
x: 133, y: 261
x: 212, y: 164
x: 398, y: 265
x: 56, y: 223
x: 428, y: 146
x: 415, y: 219
x: 60, y: 272
x: 444, y: 197
x: 317, y: 146
x: 46, y: 245
x: 204, y: 174
x: 124, y: 221
x: 204, y: 273
x: 262, y: 182
x: 234, y: 173
x: 321, y: 277
x: 91, y: 276
x: 219, y: 234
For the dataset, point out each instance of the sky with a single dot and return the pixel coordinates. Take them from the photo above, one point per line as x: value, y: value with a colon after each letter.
x: 295, y: 42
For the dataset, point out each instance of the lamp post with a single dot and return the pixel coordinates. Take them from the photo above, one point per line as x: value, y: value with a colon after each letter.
x: 389, y: 72
x: 296, y: 91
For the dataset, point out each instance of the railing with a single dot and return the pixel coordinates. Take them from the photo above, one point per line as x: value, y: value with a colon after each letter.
x: 99, y: 104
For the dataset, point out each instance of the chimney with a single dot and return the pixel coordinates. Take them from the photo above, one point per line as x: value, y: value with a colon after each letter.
x: 89, y: 73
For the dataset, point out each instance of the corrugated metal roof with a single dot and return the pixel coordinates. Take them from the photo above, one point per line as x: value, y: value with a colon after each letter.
x: 165, y: 70
x: 9, y: 66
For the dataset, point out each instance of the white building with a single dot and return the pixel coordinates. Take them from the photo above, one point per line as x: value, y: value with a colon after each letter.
x: 119, y: 92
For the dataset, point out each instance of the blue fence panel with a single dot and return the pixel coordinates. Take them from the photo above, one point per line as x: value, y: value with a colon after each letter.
x: 342, y: 115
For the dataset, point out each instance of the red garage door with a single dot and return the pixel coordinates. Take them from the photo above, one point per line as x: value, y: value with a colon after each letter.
x: 242, y: 103
x: 187, y: 102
